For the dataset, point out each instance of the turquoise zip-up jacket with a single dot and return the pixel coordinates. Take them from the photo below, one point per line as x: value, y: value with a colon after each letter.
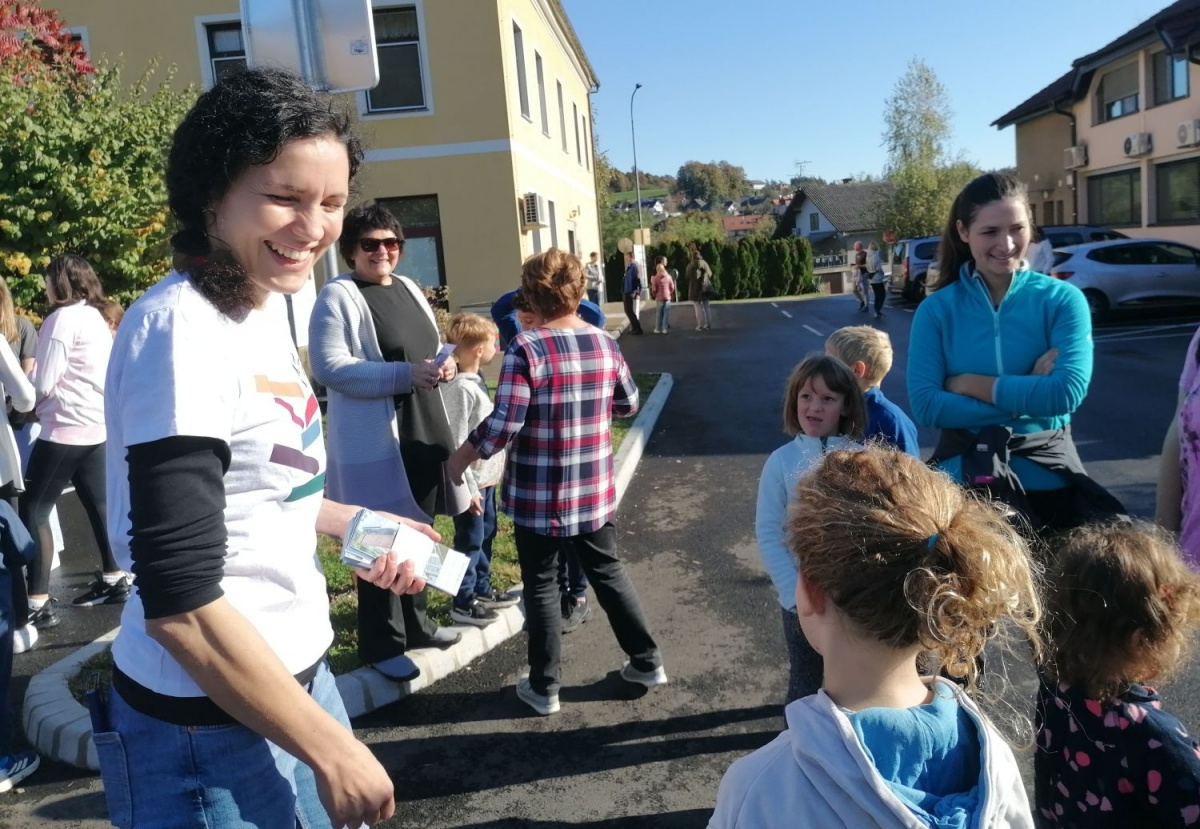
x: 957, y: 331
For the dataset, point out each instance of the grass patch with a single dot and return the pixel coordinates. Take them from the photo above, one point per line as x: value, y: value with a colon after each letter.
x: 647, y: 193
x: 343, y: 598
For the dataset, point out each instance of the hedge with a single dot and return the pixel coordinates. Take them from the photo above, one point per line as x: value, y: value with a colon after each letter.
x: 745, y: 268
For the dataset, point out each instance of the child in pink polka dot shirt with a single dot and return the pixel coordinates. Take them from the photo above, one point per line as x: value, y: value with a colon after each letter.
x: 1123, y: 609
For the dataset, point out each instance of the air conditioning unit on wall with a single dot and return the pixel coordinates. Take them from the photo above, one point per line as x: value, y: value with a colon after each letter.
x: 1189, y: 133
x: 1075, y: 157
x: 1140, y: 143
x: 534, y: 213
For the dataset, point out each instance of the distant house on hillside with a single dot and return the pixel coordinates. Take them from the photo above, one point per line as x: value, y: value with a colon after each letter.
x: 834, y: 216
x: 695, y: 204
x: 737, y: 226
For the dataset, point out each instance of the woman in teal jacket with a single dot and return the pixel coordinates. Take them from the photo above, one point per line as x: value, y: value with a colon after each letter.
x: 999, y: 359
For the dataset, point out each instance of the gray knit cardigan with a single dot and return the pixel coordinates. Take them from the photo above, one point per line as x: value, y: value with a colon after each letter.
x: 362, y: 440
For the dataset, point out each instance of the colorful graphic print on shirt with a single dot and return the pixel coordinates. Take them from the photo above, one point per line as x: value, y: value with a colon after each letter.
x: 306, y: 416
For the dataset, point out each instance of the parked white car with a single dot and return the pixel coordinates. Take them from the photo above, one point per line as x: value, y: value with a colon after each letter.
x: 1131, y: 273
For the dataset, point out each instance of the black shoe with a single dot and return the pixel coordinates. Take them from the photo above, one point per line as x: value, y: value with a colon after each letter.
x: 101, y: 592
x: 474, y: 614
x: 496, y: 600
x: 575, y: 613
x: 44, y: 617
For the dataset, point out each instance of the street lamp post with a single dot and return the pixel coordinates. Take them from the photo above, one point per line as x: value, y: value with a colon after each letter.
x: 637, y: 181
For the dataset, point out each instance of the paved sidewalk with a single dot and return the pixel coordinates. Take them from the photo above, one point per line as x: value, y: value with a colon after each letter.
x: 59, y: 727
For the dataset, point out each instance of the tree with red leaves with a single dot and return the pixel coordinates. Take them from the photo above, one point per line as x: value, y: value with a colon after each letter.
x: 34, y: 40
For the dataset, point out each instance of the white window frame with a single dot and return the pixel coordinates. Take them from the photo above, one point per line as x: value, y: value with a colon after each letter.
x: 364, y: 112
x: 562, y: 116
x: 587, y: 146
x: 207, y: 79
x: 82, y: 33
x: 518, y: 44
x: 553, y: 223
x: 575, y: 121
x: 539, y: 69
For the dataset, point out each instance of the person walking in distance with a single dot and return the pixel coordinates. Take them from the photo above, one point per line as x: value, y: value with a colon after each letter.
x: 593, y: 273
x: 861, y: 276
x: 699, y: 285
x: 875, y: 276
x: 631, y: 289
x: 662, y: 287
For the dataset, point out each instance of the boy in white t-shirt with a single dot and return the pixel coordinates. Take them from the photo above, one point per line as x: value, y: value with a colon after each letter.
x: 467, y: 404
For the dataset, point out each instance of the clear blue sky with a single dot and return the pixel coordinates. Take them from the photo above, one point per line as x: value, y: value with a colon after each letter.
x: 767, y: 83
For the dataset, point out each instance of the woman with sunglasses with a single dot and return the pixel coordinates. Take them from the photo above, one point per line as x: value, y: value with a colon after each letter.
x: 372, y: 340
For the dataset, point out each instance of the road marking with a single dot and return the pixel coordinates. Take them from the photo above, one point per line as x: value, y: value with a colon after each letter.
x: 908, y: 310
x: 815, y: 331
x: 785, y: 313
x: 774, y: 304
x: 1144, y: 329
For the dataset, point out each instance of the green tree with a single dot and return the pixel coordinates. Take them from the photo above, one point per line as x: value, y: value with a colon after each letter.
x: 717, y: 181
x: 81, y: 169
x: 924, y: 173
x: 692, y: 227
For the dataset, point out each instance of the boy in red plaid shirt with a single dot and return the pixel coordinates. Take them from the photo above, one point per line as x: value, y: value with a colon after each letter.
x: 559, y: 387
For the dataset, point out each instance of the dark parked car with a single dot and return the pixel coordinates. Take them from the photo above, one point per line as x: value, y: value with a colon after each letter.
x: 1131, y: 273
x: 1062, y: 235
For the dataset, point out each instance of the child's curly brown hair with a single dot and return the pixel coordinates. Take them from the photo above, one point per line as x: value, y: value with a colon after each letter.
x: 910, y: 557
x: 1122, y: 607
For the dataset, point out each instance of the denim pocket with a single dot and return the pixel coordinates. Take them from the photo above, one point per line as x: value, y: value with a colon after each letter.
x: 114, y: 773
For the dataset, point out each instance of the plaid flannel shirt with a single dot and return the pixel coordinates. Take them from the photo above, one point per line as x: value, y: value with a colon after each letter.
x: 558, y: 391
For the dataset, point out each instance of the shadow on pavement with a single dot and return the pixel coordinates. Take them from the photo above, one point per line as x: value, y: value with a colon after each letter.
x: 670, y: 820
x: 444, y: 765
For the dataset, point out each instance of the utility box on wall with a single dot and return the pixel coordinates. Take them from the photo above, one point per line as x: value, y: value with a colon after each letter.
x: 330, y: 43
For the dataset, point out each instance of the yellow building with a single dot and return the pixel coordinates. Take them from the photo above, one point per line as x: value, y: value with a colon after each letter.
x: 1116, y: 140
x: 479, y: 133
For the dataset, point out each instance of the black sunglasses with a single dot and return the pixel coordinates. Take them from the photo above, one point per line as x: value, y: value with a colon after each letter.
x: 391, y: 243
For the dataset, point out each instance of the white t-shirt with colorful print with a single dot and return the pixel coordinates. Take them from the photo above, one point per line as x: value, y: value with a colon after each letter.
x: 179, y: 367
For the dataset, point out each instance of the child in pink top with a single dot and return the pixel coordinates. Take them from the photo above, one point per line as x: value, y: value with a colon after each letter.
x: 1178, y: 497
x: 662, y: 288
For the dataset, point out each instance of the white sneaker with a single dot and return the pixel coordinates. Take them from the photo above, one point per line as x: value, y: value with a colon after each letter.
x: 24, y: 639
x: 544, y: 705
x: 648, y: 678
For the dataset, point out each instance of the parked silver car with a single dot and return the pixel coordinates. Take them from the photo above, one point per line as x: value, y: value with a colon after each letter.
x: 1131, y: 273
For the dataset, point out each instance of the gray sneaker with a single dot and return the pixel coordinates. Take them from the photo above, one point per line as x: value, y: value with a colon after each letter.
x: 575, y: 613
x: 648, y: 678
x: 544, y: 704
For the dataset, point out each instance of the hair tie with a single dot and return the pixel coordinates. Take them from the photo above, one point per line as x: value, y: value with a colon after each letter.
x: 931, y: 541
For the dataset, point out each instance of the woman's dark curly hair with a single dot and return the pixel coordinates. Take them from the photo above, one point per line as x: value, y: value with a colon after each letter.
x: 242, y: 122
x: 362, y: 219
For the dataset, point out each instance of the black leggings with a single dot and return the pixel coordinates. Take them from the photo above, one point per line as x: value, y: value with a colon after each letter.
x: 880, y: 289
x: 50, y: 466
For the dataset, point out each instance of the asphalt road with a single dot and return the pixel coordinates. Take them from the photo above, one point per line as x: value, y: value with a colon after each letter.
x: 467, y: 753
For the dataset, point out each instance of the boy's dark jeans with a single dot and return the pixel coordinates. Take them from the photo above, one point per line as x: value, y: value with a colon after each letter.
x: 473, y: 536
x: 597, y: 551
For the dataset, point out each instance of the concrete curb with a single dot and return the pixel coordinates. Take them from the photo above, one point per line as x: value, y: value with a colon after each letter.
x: 60, y: 728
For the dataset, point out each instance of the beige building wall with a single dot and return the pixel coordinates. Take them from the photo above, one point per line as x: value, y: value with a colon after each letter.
x: 470, y: 147
x: 1040, y: 144
x: 1105, y: 143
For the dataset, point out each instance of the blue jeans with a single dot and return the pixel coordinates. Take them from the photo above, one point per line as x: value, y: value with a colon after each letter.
x: 157, y: 774
x: 7, y: 618
x: 664, y: 315
x: 473, y: 536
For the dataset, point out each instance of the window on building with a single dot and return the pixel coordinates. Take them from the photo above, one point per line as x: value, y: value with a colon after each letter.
x: 562, y: 117
x: 1115, y: 198
x: 1048, y: 212
x: 522, y: 83
x: 398, y: 43
x: 226, y: 50
x: 1117, y: 94
x: 421, y: 220
x: 814, y: 222
x: 587, y: 146
x: 541, y: 82
x: 1058, y: 212
x: 553, y: 224
x: 1177, y: 190
x: 1170, y: 77
x: 575, y: 121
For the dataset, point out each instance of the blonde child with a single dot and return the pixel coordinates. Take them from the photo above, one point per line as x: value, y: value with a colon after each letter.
x: 823, y: 411
x: 868, y: 353
x: 113, y: 313
x: 467, y: 404
x: 662, y: 288
x: 1122, y: 610
x: 894, y: 561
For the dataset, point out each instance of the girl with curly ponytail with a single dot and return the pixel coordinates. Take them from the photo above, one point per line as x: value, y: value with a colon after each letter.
x: 894, y: 563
